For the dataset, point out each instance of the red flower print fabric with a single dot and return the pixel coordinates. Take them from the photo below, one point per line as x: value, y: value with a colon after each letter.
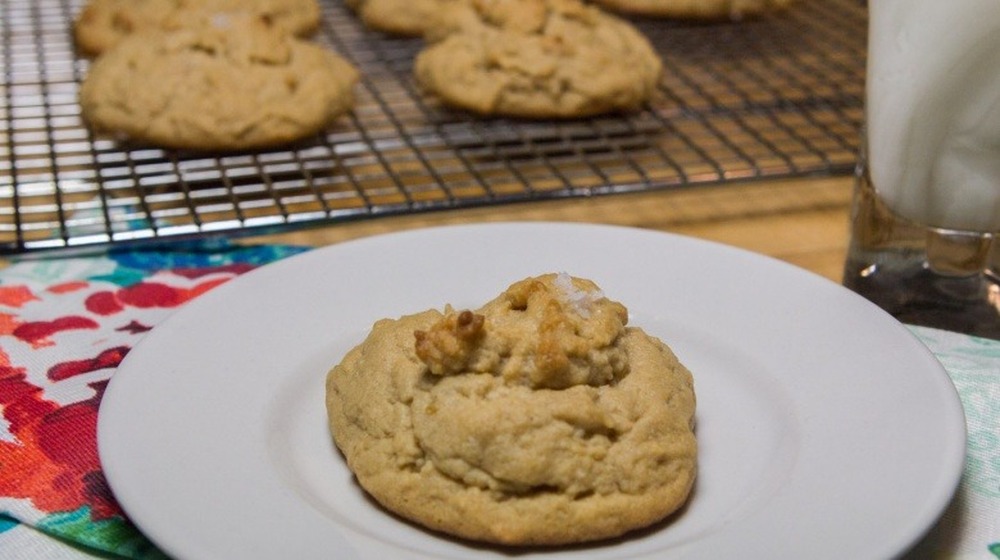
x: 65, y: 325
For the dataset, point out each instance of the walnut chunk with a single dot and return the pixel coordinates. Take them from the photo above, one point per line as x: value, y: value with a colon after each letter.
x: 447, y: 345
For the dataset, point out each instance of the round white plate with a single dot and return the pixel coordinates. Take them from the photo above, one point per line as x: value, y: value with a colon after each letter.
x: 826, y: 429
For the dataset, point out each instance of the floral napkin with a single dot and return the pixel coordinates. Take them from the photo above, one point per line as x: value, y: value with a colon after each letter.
x: 66, y: 323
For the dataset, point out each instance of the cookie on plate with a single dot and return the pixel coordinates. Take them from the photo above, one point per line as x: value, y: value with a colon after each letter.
x: 537, y: 59
x: 229, y: 83
x: 398, y: 17
x: 104, y: 23
x: 538, y: 419
x: 697, y: 9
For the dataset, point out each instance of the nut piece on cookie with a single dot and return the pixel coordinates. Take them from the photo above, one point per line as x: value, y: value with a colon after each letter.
x: 703, y: 10
x: 102, y: 24
x: 539, y: 418
x: 536, y: 59
x: 229, y: 83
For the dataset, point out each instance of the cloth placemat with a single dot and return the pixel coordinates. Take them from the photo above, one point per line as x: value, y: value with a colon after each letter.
x: 970, y: 527
x: 65, y: 324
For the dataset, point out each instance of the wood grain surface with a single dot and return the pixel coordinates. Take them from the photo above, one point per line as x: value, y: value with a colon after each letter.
x: 803, y: 221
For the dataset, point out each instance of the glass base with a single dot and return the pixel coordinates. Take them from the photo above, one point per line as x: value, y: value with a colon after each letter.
x: 922, y: 275
x: 909, y: 290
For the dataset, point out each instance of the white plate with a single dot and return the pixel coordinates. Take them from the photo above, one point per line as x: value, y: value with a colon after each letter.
x: 825, y: 428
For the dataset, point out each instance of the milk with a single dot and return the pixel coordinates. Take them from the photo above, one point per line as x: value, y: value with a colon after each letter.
x: 933, y: 110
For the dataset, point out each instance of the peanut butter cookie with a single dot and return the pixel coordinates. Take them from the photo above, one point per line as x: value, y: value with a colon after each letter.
x: 538, y: 419
x: 398, y: 17
x: 697, y: 9
x: 232, y: 83
x: 104, y: 23
x: 537, y: 59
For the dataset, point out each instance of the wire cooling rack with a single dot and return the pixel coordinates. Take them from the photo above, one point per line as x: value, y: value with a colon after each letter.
x: 771, y: 97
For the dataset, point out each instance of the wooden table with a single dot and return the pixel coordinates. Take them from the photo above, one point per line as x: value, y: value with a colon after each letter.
x: 801, y: 221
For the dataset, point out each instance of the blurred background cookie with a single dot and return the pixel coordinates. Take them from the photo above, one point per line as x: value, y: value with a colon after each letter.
x: 398, y: 17
x: 537, y: 59
x: 696, y: 9
x: 104, y: 23
x: 229, y: 83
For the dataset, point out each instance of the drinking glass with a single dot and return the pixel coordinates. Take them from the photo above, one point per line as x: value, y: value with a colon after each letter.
x: 926, y: 208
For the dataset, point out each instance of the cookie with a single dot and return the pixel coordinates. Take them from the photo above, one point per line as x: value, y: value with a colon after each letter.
x: 398, y: 17
x: 229, y: 83
x: 537, y: 59
x: 538, y: 419
x: 696, y: 9
x: 104, y: 23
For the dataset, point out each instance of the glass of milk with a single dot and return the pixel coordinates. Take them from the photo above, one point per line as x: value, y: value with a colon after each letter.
x: 927, y: 201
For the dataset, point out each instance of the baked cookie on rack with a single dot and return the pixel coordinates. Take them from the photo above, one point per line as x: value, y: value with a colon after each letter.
x: 398, y: 17
x: 537, y: 59
x: 538, y: 419
x: 225, y: 84
x: 104, y: 23
x: 696, y: 9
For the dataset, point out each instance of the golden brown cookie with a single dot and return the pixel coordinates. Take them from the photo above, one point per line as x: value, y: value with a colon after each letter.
x: 104, y: 23
x: 538, y: 419
x: 537, y: 59
x: 398, y: 17
x: 697, y: 9
x: 232, y: 83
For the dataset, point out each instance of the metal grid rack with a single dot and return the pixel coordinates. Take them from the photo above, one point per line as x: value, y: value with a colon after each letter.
x: 770, y: 97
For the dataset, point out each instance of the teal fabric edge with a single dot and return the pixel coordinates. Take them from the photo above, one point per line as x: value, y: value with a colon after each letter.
x: 952, y: 348
x: 7, y: 523
x: 114, y: 535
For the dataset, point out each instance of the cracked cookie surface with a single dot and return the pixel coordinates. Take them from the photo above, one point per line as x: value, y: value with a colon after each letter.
x: 229, y: 83
x: 537, y: 59
x: 538, y: 419
x: 102, y: 24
